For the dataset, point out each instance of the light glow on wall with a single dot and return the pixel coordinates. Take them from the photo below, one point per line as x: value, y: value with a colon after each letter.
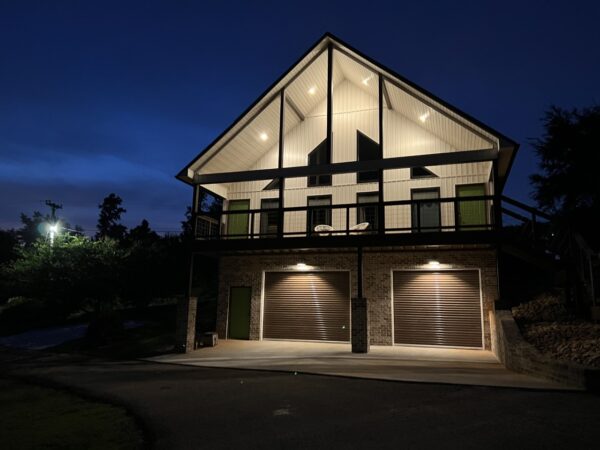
x: 263, y: 136
x: 423, y: 117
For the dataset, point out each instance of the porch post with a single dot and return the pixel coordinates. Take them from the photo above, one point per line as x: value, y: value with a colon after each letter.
x: 360, y: 312
x: 381, y: 207
x: 280, y: 218
x: 185, y: 328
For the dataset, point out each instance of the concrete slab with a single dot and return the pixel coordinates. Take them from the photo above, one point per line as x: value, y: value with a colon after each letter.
x: 397, y: 363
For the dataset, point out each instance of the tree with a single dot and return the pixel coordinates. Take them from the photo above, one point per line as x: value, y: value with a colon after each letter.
x: 33, y: 227
x: 569, y: 154
x: 142, y: 233
x: 109, y: 220
x: 8, y: 245
x: 73, y: 274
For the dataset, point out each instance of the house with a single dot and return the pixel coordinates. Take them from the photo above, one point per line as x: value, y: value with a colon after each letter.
x: 348, y: 204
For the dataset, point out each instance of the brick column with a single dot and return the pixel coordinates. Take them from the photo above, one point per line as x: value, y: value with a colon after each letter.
x: 185, y: 332
x: 360, y: 326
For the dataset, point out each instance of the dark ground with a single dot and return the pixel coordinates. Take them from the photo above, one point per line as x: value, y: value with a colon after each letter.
x: 189, y: 407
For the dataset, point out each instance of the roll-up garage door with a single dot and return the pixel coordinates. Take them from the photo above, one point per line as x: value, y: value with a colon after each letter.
x: 307, y: 306
x: 437, y: 308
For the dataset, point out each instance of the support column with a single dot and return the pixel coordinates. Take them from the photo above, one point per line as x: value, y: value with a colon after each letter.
x: 186, y: 324
x: 360, y: 312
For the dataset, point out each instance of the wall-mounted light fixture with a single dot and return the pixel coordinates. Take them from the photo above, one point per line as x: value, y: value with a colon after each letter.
x: 433, y: 264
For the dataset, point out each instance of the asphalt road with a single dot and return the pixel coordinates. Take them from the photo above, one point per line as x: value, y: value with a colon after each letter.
x: 205, y: 408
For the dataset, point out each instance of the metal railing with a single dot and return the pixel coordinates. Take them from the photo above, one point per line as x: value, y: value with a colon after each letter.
x: 401, y: 216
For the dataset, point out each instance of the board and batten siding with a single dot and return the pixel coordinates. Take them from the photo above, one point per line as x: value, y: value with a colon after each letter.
x: 354, y: 109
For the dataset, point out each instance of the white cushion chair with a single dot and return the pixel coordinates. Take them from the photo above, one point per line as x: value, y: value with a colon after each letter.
x: 323, y: 230
x: 359, y: 227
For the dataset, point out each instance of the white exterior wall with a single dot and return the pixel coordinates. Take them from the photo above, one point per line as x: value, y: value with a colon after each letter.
x: 354, y: 109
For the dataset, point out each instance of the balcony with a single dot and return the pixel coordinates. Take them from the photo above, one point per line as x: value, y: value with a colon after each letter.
x: 415, y: 221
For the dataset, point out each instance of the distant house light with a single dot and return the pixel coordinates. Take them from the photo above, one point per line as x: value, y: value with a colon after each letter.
x: 312, y: 90
x: 263, y: 136
x: 423, y: 117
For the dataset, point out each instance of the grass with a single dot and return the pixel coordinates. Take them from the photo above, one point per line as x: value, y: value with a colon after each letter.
x: 33, y: 417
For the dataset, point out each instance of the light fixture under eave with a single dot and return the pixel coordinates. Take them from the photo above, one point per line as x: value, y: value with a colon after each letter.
x: 423, y: 117
x: 312, y: 90
x: 263, y: 136
x: 365, y: 81
x: 301, y: 266
x: 434, y: 264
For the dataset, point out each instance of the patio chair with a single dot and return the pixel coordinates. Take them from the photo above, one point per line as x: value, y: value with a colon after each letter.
x: 359, y: 228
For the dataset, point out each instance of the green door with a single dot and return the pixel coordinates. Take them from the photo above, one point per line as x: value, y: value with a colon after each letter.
x: 237, y: 224
x: 473, y: 212
x: 239, y: 313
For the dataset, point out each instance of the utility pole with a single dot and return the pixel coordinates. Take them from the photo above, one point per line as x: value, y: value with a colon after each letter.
x: 54, y: 207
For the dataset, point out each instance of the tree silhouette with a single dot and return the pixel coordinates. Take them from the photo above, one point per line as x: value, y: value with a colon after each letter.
x: 569, y: 154
x: 109, y: 220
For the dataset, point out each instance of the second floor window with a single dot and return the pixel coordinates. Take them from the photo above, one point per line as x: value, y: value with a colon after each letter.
x: 319, y: 156
x: 367, y: 150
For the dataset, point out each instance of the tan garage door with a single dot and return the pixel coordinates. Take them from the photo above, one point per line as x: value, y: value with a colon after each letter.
x: 307, y: 306
x: 437, y: 308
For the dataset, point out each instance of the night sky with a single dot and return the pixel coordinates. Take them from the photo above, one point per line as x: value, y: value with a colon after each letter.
x: 100, y: 97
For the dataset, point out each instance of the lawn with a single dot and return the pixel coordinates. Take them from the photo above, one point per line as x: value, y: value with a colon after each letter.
x: 33, y: 417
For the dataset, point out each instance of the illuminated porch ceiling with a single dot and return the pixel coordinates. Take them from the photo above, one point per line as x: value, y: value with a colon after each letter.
x: 256, y: 132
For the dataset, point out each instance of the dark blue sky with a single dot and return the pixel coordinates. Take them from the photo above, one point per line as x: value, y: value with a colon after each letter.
x: 100, y: 97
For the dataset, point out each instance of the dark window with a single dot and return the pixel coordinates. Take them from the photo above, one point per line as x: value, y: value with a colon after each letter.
x: 317, y: 157
x: 368, y: 213
x: 368, y: 150
x: 269, y: 220
x: 426, y: 214
x: 421, y: 172
x: 273, y: 184
x: 318, y: 216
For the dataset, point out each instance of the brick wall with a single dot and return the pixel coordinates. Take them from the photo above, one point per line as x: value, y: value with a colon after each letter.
x: 247, y: 270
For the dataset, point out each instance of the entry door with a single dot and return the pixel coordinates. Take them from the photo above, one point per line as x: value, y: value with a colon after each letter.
x: 313, y: 306
x: 239, y: 313
x: 473, y: 212
x: 426, y: 214
x: 237, y: 224
x: 437, y: 308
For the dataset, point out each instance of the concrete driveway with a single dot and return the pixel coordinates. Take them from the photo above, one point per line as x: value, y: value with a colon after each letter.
x: 196, y: 407
x: 398, y: 363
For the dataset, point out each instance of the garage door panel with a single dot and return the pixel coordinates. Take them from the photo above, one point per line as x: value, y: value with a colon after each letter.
x: 307, y: 306
x: 437, y: 308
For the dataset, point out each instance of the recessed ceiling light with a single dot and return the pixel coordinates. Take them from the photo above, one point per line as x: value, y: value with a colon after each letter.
x: 312, y: 90
x: 423, y: 117
x: 263, y: 136
x: 434, y: 264
x: 365, y: 81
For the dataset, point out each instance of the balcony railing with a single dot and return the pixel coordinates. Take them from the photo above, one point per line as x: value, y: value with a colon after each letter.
x: 392, y: 217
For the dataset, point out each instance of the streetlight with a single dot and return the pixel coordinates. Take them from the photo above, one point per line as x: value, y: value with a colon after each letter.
x: 53, y: 231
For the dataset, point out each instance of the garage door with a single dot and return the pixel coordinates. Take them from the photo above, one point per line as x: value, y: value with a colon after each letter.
x: 307, y: 306
x: 437, y: 308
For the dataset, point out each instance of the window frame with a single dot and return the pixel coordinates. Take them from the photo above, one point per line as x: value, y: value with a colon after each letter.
x: 418, y: 226
x: 309, y: 226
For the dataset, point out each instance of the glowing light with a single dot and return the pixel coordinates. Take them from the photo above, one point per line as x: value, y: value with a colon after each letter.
x: 263, y: 136
x: 301, y: 266
x: 433, y: 264
x: 365, y: 81
x: 53, y: 231
x: 312, y: 90
x: 423, y: 117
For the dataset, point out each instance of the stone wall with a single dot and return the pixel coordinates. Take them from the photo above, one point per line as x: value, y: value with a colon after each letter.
x: 247, y: 270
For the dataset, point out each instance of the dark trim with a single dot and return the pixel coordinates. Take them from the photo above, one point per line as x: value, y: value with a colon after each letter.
x: 432, y: 159
x: 294, y: 108
x: 348, y: 242
x: 386, y: 96
x: 329, y: 98
x: 359, y: 272
x: 280, y: 162
x: 439, y: 205
x: 381, y: 209
x: 424, y: 177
